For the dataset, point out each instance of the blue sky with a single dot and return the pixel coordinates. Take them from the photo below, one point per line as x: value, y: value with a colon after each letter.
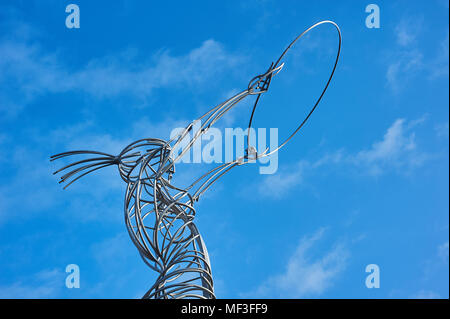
x: 366, y: 181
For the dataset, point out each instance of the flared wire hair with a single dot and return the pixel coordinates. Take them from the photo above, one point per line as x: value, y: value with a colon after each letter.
x: 159, y: 216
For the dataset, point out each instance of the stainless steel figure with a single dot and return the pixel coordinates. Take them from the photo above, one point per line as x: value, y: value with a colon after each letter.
x: 158, y: 215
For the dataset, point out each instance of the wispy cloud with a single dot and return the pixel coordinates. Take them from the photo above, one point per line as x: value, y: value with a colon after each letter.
x: 406, y: 60
x: 397, y: 151
x: 426, y: 294
x: 404, y: 65
x: 439, y: 65
x: 407, y: 30
x: 31, y: 180
x: 279, y: 184
x: 443, y: 252
x: 305, y: 276
x: 45, y: 284
x: 442, y: 130
x: 27, y: 71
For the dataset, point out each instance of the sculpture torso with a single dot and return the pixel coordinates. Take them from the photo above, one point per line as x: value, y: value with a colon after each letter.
x: 160, y: 220
x: 159, y: 216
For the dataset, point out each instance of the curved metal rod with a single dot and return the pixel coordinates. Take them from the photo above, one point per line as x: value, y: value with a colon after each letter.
x: 159, y: 217
x: 321, y: 95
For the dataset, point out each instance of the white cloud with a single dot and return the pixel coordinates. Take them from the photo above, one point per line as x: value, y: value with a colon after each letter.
x: 396, y: 151
x: 278, y: 185
x: 45, y: 284
x: 407, y: 30
x: 426, y: 294
x: 108, y: 77
x: 442, y: 130
x: 405, y: 64
x: 32, y: 185
x: 439, y: 65
x: 305, y: 276
x: 393, y: 143
x: 80, y: 135
x: 407, y: 60
x: 443, y: 252
x: 28, y: 71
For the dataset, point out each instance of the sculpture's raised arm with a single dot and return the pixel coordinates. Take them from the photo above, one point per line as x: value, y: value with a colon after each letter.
x: 159, y: 216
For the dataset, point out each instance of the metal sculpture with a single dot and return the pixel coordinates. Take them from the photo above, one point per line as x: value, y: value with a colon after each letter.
x: 159, y: 216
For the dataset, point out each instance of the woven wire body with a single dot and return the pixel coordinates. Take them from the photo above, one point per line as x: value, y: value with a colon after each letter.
x: 159, y: 216
x: 160, y: 221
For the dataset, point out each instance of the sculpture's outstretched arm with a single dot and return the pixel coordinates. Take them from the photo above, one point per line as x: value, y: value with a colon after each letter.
x: 160, y: 217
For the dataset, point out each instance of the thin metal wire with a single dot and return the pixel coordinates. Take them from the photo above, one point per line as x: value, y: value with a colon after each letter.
x: 159, y: 216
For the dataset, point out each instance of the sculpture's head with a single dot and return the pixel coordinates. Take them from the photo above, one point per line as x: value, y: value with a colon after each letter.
x: 147, y: 157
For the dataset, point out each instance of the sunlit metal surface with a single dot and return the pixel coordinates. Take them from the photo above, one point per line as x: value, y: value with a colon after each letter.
x: 159, y: 216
